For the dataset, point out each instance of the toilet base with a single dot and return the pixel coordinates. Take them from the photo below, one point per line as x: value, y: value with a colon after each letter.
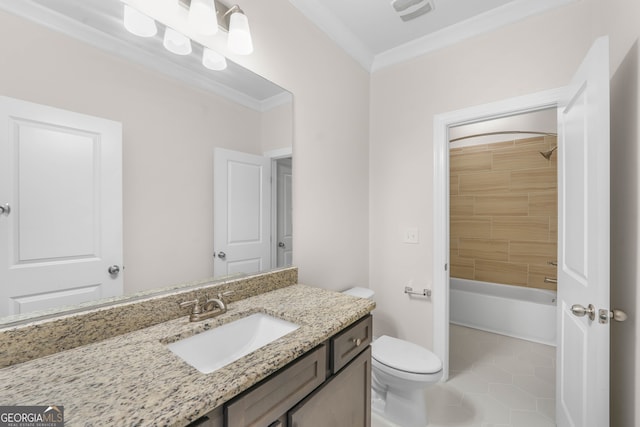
x: 406, y: 408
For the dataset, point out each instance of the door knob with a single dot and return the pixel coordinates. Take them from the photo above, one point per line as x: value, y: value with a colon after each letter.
x: 6, y: 209
x: 114, y: 270
x: 580, y: 311
x: 222, y: 255
x: 618, y: 315
x: 281, y: 244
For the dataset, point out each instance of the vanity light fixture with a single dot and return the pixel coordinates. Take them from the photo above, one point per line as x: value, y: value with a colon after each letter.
x: 203, y: 17
x: 194, y: 17
x: 176, y: 42
x: 239, y: 40
x: 213, y: 60
x: 138, y: 23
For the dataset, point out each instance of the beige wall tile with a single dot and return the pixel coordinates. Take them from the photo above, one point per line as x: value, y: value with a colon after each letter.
x: 474, y: 148
x: 453, y: 185
x: 484, y: 183
x: 533, y: 252
x: 543, y: 203
x: 462, y: 272
x: 534, y: 180
x: 521, y: 212
x: 501, y: 272
x: 500, y: 145
x: 470, y: 162
x: 553, y: 229
x: 518, y: 157
x: 535, y: 141
x: 534, y: 228
x: 486, y: 249
x: 461, y: 205
x: 537, y: 274
x: 470, y: 227
x: 500, y: 205
x: 462, y: 268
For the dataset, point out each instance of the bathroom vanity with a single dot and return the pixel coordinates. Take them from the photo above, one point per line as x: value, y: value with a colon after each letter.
x: 329, y: 385
x: 319, y: 371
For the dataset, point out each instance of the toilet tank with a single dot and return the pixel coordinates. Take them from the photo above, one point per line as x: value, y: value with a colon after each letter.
x: 360, y: 292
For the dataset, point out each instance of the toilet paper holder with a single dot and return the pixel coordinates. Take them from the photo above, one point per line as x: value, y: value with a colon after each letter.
x: 425, y: 292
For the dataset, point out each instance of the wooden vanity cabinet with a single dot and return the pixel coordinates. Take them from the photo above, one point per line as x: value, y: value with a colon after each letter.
x: 267, y: 403
x: 328, y: 386
x: 343, y: 401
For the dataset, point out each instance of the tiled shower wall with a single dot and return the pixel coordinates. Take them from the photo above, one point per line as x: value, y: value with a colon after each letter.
x: 503, y: 212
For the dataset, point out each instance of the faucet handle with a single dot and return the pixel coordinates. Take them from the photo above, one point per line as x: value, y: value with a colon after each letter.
x: 195, y: 303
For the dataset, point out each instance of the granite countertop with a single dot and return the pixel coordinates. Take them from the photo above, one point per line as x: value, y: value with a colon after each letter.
x: 135, y: 380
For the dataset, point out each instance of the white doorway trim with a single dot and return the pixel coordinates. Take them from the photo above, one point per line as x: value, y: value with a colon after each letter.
x: 441, y: 125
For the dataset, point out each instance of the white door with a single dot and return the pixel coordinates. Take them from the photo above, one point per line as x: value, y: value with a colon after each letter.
x: 284, y: 253
x: 582, y: 393
x: 241, y: 212
x: 61, y: 185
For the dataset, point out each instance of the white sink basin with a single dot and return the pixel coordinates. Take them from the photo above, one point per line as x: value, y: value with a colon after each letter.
x: 215, y: 348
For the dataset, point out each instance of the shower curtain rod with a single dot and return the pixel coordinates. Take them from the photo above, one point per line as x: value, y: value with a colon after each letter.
x: 504, y: 132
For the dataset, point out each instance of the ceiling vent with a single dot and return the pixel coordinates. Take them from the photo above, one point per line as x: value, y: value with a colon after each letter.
x: 411, y: 9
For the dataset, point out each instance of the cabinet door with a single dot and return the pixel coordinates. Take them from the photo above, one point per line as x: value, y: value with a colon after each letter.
x: 343, y: 401
x: 265, y: 404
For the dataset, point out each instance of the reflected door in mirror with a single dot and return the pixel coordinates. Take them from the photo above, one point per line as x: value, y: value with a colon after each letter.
x: 61, y: 173
x: 242, y: 212
x: 284, y: 211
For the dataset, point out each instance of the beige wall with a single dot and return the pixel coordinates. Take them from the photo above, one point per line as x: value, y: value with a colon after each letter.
x: 276, y: 128
x: 535, y: 54
x: 503, y: 212
x: 331, y: 137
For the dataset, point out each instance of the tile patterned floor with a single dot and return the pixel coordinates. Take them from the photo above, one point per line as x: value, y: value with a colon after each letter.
x: 494, y: 381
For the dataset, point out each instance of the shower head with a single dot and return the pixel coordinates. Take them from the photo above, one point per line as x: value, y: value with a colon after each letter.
x: 547, y: 154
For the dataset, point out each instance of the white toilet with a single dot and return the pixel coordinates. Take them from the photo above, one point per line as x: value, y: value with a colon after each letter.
x: 401, y: 371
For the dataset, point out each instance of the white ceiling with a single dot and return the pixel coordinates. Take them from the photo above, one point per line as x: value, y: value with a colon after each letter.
x: 374, y: 34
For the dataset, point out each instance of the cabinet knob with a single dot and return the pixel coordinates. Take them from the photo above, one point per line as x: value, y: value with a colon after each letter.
x: 356, y: 341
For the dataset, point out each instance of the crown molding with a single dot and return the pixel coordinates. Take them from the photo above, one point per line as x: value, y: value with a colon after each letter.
x: 483, y: 23
x: 493, y: 19
x: 318, y: 14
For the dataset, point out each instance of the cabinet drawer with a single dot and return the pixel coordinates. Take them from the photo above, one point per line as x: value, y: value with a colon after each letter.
x: 349, y: 343
x: 269, y: 400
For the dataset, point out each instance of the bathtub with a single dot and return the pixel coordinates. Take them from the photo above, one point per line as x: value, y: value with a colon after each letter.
x: 518, y: 312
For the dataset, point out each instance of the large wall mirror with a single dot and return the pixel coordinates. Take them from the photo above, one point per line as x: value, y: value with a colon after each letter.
x: 75, y: 55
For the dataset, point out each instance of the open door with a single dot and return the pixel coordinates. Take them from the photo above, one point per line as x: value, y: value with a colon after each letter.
x: 242, y: 212
x: 582, y: 393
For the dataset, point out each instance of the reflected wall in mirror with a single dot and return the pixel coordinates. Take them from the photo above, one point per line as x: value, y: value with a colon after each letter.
x: 172, y: 120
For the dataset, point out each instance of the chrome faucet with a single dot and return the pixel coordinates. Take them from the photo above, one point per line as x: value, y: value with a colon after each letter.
x: 212, y: 307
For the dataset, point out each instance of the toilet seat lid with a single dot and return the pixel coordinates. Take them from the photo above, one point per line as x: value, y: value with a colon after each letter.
x: 405, y: 356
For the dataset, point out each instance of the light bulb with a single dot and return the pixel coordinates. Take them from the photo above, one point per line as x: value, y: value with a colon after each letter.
x: 239, y: 40
x: 202, y: 17
x: 213, y: 60
x: 138, y: 23
x: 176, y: 42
